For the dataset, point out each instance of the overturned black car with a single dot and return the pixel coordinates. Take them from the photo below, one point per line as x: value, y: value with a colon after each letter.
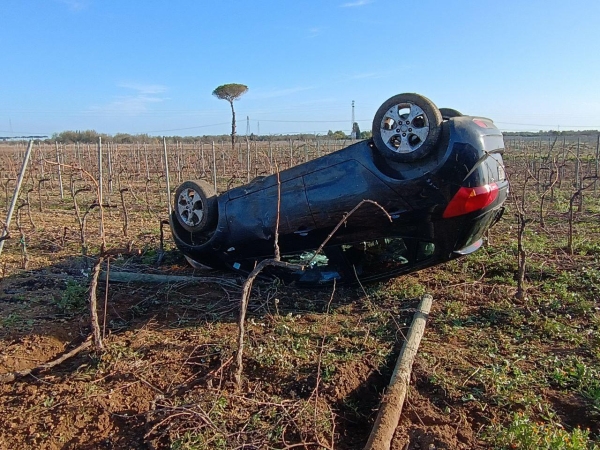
x: 438, y: 175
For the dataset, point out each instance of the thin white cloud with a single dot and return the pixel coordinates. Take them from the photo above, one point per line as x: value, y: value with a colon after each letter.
x: 368, y: 75
x: 356, y: 3
x: 314, y: 32
x: 376, y: 75
x: 135, y: 103
x: 275, y: 93
x: 75, y: 5
x: 145, y: 88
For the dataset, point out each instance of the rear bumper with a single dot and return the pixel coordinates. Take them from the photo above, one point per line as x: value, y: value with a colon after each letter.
x: 472, y: 229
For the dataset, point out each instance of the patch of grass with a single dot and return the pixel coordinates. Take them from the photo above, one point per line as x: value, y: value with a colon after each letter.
x: 258, y: 422
x: 198, y: 441
x: 405, y: 287
x: 526, y: 434
x: 505, y: 383
x: 587, y: 247
x: 118, y: 356
x: 10, y: 321
x: 289, y: 345
x: 73, y: 298
x: 453, y: 313
x: 15, y: 320
x: 497, y: 265
x: 578, y: 375
x: 539, y: 242
x: 149, y: 256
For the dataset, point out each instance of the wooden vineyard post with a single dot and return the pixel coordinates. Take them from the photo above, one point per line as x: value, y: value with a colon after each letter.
x: 109, y: 152
x: 89, y: 155
x: 100, y: 183
x: 393, y: 399
x: 100, y: 174
x: 41, y: 160
x: 223, y: 161
x: 202, y: 160
x: 11, y: 208
x: 214, y: 166
x: 577, y: 166
x: 578, y: 177
x: 77, y: 154
x: 248, y: 159
x: 270, y: 154
x: 138, y: 157
x: 146, y: 159
x: 597, y: 162
x: 255, y: 158
x: 167, y: 174
x: 59, y: 168
x: 179, y: 162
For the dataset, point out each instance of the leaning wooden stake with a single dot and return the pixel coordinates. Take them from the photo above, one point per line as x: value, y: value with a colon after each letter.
x: 393, y: 400
x: 97, y: 336
x: 11, y: 208
x: 131, y: 277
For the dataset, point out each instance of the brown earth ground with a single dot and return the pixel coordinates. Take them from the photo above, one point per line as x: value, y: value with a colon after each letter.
x: 107, y: 400
x: 165, y: 370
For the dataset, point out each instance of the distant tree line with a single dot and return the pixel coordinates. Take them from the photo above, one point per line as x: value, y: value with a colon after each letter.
x: 91, y: 136
x: 551, y: 133
x: 11, y: 138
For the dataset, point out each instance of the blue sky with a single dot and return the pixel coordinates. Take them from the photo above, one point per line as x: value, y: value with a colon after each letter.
x: 151, y: 66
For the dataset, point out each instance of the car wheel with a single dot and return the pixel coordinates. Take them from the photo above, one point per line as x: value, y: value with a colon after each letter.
x: 449, y: 113
x: 406, y: 127
x: 195, y: 206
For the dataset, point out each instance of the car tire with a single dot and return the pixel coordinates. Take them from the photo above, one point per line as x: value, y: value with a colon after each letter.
x: 449, y: 113
x: 196, y: 206
x: 406, y: 127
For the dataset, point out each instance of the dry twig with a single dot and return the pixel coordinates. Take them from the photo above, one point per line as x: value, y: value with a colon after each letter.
x: 12, y: 376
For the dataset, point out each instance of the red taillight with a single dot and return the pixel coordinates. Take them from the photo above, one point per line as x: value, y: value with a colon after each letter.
x: 472, y: 199
x: 481, y: 123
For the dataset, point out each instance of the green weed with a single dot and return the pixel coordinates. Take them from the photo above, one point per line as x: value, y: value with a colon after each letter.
x: 14, y: 320
x: 526, y: 434
x: 574, y: 373
x: 10, y: 321
x: 199, y: 441
x: 73, y: 298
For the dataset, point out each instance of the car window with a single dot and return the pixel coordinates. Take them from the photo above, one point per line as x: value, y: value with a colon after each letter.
x: 374, y: 257
x: 425, y: 250
x: 367, y: 259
